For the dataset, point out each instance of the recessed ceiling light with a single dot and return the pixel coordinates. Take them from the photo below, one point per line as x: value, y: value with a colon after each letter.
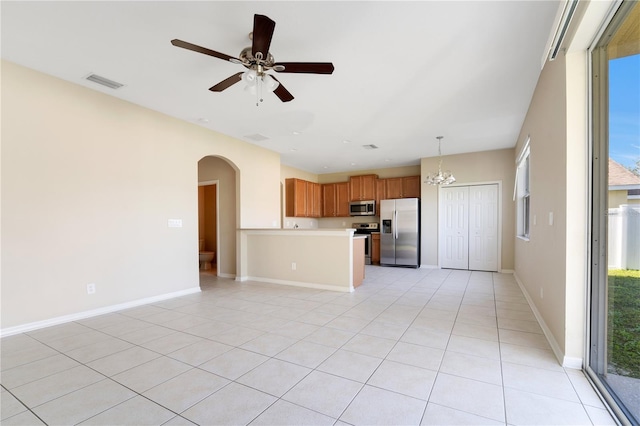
x: 346, y: 141
x: 353, y: 164
x: 325, y: 167
x: 203, y: 120
x: 257, y: 137
x: 387, y: 159
x: 296, y: 133
x: 292, y: 149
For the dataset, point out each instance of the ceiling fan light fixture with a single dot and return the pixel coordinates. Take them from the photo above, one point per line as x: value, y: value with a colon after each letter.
x: 269, y: 83
x: 250, y: 77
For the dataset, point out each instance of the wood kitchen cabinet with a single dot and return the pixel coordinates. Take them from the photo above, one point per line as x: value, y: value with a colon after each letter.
x: 362, y: 187
x: 335, y: 199
x: 303, y: 198
x: 402, y: 187
x: 314, y: 200
x: 411, y: 187
x: 381, y: 193
x: 375, y: 248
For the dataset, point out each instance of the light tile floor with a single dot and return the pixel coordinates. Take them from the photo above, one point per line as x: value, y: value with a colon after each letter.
x: 410, y: 346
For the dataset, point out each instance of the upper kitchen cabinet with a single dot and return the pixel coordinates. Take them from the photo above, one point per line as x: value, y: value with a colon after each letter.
x: 314, y: 200
x: 363, y: 187
x: 402, y: 187
x: 381, y: 193
x: 303, y: 198
x: 335, y: 199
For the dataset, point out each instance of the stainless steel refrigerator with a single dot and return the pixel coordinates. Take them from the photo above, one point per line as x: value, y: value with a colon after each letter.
x: 400, y: 232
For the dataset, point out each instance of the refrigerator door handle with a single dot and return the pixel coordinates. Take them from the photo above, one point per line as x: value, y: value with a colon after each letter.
x: 395, y: 221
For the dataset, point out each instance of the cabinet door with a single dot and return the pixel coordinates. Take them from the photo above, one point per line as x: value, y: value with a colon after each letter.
x: 355, y: 188
x: 393, y: 188
x: 381, y: 193
x: 329, y: 200
x: 313, y: 202
x: 375, y: 248
x: 411, y: 187
x: 316, y: 210
x: 363, y: 187
x: 296, y: 197
x: 342, y: 199
x: 369, y: 187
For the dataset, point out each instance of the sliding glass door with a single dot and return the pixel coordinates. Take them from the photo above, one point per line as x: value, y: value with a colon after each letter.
x: 614, y: 338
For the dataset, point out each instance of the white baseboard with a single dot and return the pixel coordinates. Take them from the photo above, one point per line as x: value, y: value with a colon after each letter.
x: 223, y: 275
x: 300, y: 284
x: 10, y: 331
x: 555, y: 347
x: 429, y: 267
x: 507, y: 271
x: 573, y: 363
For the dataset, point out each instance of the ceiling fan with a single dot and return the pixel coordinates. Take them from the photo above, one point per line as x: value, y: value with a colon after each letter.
x: 258, y: 60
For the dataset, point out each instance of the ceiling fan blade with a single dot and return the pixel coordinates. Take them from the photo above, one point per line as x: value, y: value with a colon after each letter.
x: 262, y: 32
x: 200, y: 49
x: 305, y: 67
x: 226, y: 83
x: 281, y: 92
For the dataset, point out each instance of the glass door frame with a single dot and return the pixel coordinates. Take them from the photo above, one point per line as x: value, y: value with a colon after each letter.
x: 597, y: 315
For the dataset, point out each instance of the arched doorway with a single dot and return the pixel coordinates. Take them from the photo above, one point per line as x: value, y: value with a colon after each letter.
x: 218, y: 220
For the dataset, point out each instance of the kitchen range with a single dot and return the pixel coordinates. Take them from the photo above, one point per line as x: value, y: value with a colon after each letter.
x: 366, y: 229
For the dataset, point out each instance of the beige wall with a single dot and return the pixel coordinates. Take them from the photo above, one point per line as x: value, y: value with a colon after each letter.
x: 212, y: 168
x: 270, y: 255
x: 89, y: 182
x: 477, y: 167
x: 619, y: 197
x: 551, y: 265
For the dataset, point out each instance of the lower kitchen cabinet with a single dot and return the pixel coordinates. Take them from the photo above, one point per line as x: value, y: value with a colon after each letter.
x: 375, y: 248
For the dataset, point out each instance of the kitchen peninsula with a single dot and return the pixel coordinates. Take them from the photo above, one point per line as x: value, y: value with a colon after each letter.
x: 327, y: 259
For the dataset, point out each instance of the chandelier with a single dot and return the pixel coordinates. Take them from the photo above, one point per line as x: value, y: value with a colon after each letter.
x: 440, y: 178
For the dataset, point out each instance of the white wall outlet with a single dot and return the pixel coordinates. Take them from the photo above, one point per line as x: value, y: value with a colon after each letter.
x: 344, y: 223
x: 535, y: 220
x: 174, y: 223
x: 541, y: 293
x: 550, y: 218
x: 288, y: 224
x: 293, y: 266
x: 91, y: 288
x: 274, y: 223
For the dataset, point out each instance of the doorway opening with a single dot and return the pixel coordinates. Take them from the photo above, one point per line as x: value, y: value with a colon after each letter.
x: 208, y: 227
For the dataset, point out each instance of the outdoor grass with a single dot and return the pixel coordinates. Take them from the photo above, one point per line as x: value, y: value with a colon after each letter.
x: 624, y: 322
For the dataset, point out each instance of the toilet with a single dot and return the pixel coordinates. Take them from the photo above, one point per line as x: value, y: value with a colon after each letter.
x: 205, y: 257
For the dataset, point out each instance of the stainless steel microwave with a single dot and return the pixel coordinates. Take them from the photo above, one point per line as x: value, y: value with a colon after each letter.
x: 362, y: 208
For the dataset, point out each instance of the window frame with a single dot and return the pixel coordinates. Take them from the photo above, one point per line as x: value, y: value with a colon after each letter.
x: 522, y: 192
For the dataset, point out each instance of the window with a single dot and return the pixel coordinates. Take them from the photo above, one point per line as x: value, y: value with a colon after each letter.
x: 522, y: 192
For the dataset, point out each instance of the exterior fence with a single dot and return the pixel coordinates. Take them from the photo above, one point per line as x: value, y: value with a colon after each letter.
x: 624, y: 237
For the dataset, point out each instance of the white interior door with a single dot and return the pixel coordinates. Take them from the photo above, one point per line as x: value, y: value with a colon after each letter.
x: 483, y: 228
x: 468, y: 230
x: 454, y: 227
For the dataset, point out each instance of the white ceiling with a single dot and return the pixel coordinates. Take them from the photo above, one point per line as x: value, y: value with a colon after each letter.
x: 405, y: 72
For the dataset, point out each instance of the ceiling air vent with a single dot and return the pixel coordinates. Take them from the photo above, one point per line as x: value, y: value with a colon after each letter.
x: 104, y: 81
x: 370, y: 146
